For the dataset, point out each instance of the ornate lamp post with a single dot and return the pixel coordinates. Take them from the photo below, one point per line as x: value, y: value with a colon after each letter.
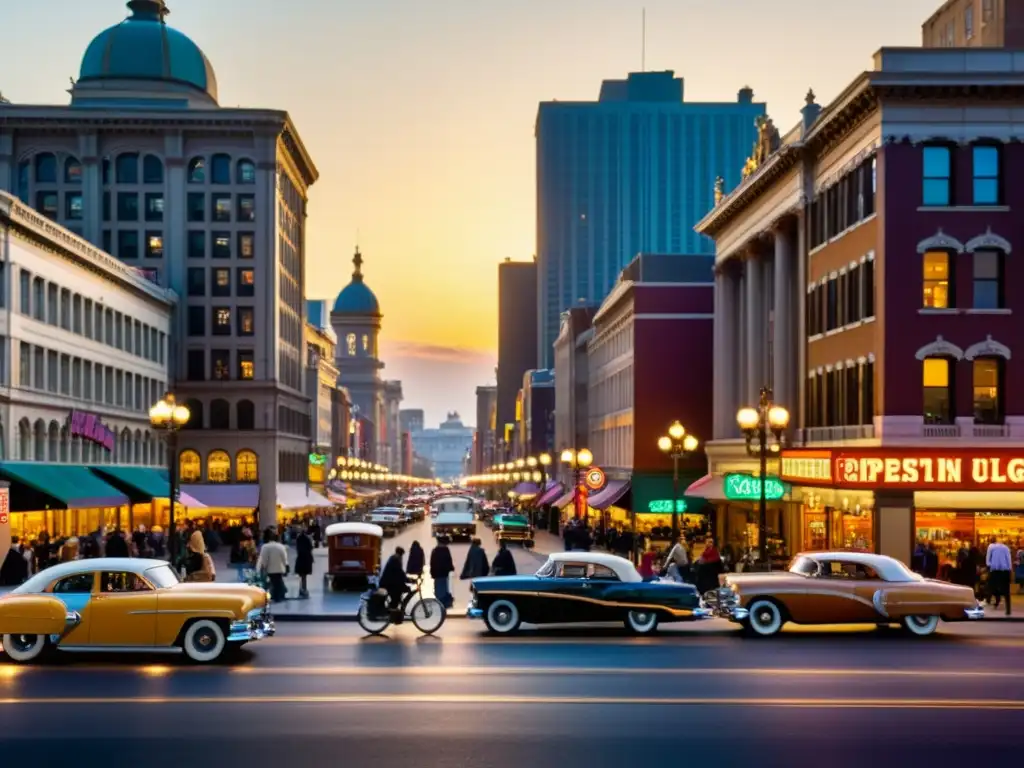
x: 577, y: 461
x: 678, y: 445
x: 767, y: 419
x: 169, y: 416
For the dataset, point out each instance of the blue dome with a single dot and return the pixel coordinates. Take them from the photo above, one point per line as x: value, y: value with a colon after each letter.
x: 143, y: 47
x: 356, y: 298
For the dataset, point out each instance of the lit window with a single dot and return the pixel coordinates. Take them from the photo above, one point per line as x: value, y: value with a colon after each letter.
x: 366, y: 343
x: 350, y: 343
x: 73, y: 206
x: 937, y: 280
x: 221, y: 321
x: 190, y: 467
x: 154, y: 245
x: 221, y: 208
x: 988, y: 279
x: 986, y: 175
x: 246, y: 245
x: 988, y: 400
x: 247, y: 208
x: 246, y: 367
x: 46, y: 204
x: 221, y: 282
x: 218, y: 467
x: 246, y: 282
x: 72, y: 171
x: 246, y: 172
x: 246, y: 470
x: 221, y: 245
x: 937, y: 176
x: 220, y: 364
x: 246, y: 321
x: 938, y: 398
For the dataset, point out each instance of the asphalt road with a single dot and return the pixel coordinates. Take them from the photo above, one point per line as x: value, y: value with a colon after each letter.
x: 322, y: 695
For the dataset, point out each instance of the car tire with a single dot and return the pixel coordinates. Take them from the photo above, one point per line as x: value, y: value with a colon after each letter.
x: 642, y: 622
x: 502, y: 617
x: 765, y: 618
x: 204, y: 641
x: 920, y: 626
x: 24, y: 649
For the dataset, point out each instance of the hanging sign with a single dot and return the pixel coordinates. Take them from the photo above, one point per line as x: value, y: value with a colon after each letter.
x: 740, y: 487
x: 581, y: 501
x: 664, y: 506
x: 5, y: 505
x: 89, y: 427
x: 595, y: 478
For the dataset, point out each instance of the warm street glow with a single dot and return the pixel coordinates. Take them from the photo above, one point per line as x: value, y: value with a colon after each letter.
x: 748, y: 419
x: 676, y: 431
x: 665, y: 444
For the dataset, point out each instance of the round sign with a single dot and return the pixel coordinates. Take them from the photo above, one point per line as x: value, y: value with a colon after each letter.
x: 595, y: 478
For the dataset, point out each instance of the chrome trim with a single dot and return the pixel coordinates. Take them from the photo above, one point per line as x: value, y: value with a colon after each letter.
x: 703, y: 613
x: 191, y: 612
x: 119, y: 648
x: 879, y: 601
x: 248, y: 631
x: 739, y: 614
x: 474, y: 613
x: 978, y: 612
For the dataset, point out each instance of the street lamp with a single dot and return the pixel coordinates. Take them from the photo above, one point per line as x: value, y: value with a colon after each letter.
x: 577, y: 461
x: 757, y: 424
x: 678, y: 445
x: 168, y: 415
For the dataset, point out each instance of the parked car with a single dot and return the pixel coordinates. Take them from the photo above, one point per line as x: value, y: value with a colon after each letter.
x: 842, y: 588
x: 129, y: 605
x: 583, y: 587
x: 457, y: 526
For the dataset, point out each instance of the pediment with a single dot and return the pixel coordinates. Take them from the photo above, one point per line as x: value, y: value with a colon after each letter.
x: 987, y: 348
x: 940, y: 348
x: 940, y: 241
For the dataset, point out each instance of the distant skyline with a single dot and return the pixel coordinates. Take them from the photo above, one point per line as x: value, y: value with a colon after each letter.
x: 422, y: 122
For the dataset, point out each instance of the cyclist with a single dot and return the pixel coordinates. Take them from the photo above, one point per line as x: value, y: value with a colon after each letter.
x: 394, y: 580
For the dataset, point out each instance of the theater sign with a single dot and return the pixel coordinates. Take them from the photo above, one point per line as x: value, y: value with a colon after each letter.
x: 906, y: 469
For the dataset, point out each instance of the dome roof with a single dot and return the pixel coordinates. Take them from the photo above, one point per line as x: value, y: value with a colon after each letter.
x: 143, y: 47
x: 356, y: 298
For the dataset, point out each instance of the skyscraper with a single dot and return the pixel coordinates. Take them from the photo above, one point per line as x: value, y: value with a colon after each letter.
x: 517, y: 335
x: 631, y: 172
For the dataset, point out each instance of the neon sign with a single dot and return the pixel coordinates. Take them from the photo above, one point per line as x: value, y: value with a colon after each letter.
x: 664, y: 506
x: 89, y: 427
x: 748, y: 488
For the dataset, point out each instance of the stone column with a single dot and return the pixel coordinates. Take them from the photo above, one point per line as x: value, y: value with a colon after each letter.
x: 728, y: 361
x: 719, y: 355
x: 8, y: 180
x: 92, y: 188
x: 754, y: 304
x: 783, y: 364
x: 740, y: 355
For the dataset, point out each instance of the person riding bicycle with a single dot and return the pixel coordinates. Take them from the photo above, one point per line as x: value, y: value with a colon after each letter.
x: 394, y: 580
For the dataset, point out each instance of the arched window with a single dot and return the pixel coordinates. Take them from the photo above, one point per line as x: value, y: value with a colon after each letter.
x: 137, y: 447
x: 24, y: 440
x: 39, y: 438
x: 246, y: 172
x: 350, y: 344
x: 218, y: 467
x: 190, y: 467
x: 65, y: 444
x: 152, y: 170
x: 246, y: 415
x: 220, y: 169
x: 989, y: 383
x: 938, y: 276
x: 147, y: 449
x: 220, y: 414
x: 76, y: 450
x: 246, y: 467
x: 53, y: 442
x: 72, y: 171
x: 937, y: 383
x: 195, y: 419
x: 197, y: 170
x: 124, y: 447
x: 126, y: 168
x: 46, y: 168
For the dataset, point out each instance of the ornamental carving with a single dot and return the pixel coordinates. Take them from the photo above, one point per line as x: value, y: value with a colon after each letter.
x: 767, y: 142
x: 940, y: 241
x: 719, y: 189
x: 990, y: 240
x: 987, y: 348
x: 940, y: 348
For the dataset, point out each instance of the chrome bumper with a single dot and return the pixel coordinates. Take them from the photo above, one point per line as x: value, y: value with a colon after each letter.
x: 247, y: 631
x: 703, y: 613
x: 474, y: 613
x: 978, y: 612
x: 724, y: 604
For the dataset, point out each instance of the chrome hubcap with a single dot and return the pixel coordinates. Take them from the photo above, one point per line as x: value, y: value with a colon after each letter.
x: 503, y: 616
x: 23, y: 643
x: 204, y: 640
x: 765, y: 617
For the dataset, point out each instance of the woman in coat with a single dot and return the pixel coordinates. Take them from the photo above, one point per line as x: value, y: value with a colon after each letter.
x: 416, y: 560
x: 303, y: 560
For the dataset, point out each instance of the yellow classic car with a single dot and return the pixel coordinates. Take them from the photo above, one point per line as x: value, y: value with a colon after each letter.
x: 841, y: 588
x: 129, y: 605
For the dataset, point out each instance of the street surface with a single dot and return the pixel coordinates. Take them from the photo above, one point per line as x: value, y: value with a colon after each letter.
x: 321, y: 694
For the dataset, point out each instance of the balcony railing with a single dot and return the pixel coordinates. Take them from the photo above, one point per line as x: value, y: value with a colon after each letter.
x: 836, y: 434
x: 901, y: 432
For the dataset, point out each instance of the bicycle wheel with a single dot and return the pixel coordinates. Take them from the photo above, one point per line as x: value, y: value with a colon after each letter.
x: 428, y: 615
x: 370, y: 624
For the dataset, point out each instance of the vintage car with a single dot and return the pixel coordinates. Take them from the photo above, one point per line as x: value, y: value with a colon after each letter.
x: 841, y: 588
x: 129, y: 605
x: 353, y: 553
x: 388, y: 519
x: 583, y: 587
x: 515, y: 528
x: 457, y: 526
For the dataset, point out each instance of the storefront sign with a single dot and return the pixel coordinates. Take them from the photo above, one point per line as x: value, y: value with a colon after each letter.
x: 664, y: 506
x: 5, y: 505
x: 317, y: 459
x: 89, y: 427
x: 581, y: 502
x: 595, y: 478
x: 748, y: 488
x: 907, y: 469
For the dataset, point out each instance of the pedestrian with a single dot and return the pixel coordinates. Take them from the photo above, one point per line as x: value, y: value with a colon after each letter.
x: 416, y: 561
x: 394, y: 580
x: 303, y: 560
x: 15, y: 568
x: 677, y: 562
x: 273, y: 561
x: 441, y: 568
x: 116, y: 545
x: 997, y: 558
x: 198, y: 563
x: 504, y: 564
x: 476, y: 562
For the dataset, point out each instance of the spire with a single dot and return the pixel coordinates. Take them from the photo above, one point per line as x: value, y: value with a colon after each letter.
x: 357, y: 276
x: 148, y: 10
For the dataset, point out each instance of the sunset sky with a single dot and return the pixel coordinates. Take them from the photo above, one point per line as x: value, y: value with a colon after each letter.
x: 420, y: 118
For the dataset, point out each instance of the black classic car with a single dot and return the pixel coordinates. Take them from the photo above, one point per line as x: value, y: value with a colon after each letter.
x: 583, y: 587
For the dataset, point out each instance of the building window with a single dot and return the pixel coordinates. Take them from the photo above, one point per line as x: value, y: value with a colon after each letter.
x: 988, y: 390
x: 127, y: 168
x: 154, y: 206
x: 106, y: 206
x: 247, y: 207
x: 23, y: 181
x: 154, y: 245
x: 246, y: 245
x: 246, y: 172
x: 196, y: 281
x: 196, y: 170
x: 938, y: 177
x: 969, y: 22
x: 220, y: 169
x: 196, y: 244
x: 986, y: 164
x: 72, y: 171
x: 221, y: 285
x: 152, y: 170
x: 218, y: 467
x: 127, y: 244
x: 938, y: 280
x: 220, y: 364
x: 196, y: 206
x: 245, y: 466
x: 221, y: 321
x: 190, y: 467
x: 221, y: 245
x: 127, y: 206
x: 221, y: 208
x: 366, y: 343
x: 46, y: 204
x: 46, y: 168
x: 938, y: 394
x: 246, y: 282
x: 246, y: 367
x: 195, y: 367
x: 246, y: 321
x: 988, y: 280
x: 196, y: 321
x: 350, y: 344
x: 73, y: 206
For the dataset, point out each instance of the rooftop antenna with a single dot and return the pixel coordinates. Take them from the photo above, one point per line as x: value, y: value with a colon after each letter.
x: 643, y: 40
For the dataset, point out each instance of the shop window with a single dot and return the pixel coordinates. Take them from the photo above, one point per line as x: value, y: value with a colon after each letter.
x: 938, y: 390
x: 72, y: 171
x: 246, y: 413
x: 986, y: 187
x: 246, y: 467
x: 220, y: 169
x: 938, y: 176
x: 190, y: 467
x: 246, y: 172
x: 988, y: 280
x: 196, y: 170
x: 218, y: 467
x: 937, y: 274
x: 988, y: 390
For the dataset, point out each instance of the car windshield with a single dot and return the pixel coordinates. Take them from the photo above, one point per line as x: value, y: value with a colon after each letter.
x: 805, y: 566
x: 162, y: 576
x: 547, y: 570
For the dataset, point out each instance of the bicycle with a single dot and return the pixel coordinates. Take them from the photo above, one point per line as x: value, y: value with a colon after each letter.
x: 426, y: 613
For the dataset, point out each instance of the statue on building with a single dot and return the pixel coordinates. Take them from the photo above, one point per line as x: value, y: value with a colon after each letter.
x: 767, y: 142
x: 719, y: 189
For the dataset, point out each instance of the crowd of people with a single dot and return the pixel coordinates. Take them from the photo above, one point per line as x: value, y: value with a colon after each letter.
x: 990, y: 573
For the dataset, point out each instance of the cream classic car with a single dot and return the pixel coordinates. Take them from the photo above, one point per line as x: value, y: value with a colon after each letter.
x: 129, y: 605
x: 841, y: 588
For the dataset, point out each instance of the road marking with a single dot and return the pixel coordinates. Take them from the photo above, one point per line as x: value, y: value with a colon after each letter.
x: 392, y: 700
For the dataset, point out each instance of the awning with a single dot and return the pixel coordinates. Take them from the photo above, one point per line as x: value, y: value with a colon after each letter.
x: 299, y: 496
x: 565, y: 498
x: 711, y: 487
x: 554, y: 490
x: 335, y: 497
x: 525, y: 489
x: 612, y: 492
x: 140, y: 484
x: 653, y: 493
x: 71, y: 486
x: 223, y: 495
